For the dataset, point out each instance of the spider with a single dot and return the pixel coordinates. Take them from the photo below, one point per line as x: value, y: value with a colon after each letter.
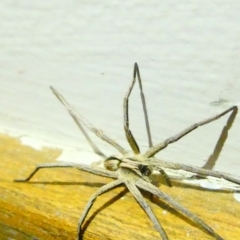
x: 133, y: 168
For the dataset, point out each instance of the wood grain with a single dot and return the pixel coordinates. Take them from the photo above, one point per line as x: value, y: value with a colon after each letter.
x: 49, y: 206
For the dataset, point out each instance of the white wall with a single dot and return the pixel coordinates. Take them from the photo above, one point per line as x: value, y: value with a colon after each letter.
x: 188, y: 53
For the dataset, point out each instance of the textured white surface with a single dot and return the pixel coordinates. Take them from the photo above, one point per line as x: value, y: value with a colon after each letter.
x: 237, y: 196
x: 188, y: 53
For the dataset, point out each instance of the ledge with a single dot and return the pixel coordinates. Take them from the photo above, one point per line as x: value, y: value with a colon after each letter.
x: 49, y: 206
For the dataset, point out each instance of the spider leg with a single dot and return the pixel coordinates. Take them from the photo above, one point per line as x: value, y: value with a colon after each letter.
x: 82, y: 167
x: 154, y: 190
x: 155, y: 149
x: 91, y: 143
x: 138, y: 196
x: 150, y: 144
x: 131, y: 140
x: 192, y: 169
x: 166, y: 177
x: 99, y: 192
x: 80, y: 120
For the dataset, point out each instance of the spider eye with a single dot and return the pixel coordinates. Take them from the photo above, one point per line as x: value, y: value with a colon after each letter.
x: 112, y: 163
x: 145, y: 170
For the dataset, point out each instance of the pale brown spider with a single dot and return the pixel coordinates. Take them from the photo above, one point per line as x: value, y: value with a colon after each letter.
x: 133, y: 168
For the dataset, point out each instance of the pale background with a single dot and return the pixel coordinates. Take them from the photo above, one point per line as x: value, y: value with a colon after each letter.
x: 188, y: 53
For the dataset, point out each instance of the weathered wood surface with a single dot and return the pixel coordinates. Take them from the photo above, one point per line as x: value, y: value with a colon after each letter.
x: 49, y: 206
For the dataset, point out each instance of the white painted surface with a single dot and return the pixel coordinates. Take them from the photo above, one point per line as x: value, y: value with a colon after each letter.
x: 237, y: 196
x: 188, y: 53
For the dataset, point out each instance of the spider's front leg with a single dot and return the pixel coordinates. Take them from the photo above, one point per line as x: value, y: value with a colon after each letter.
x: 79, y: 120
x: 130, y: 138
x: 82, y: 167
x: 158, y: 147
